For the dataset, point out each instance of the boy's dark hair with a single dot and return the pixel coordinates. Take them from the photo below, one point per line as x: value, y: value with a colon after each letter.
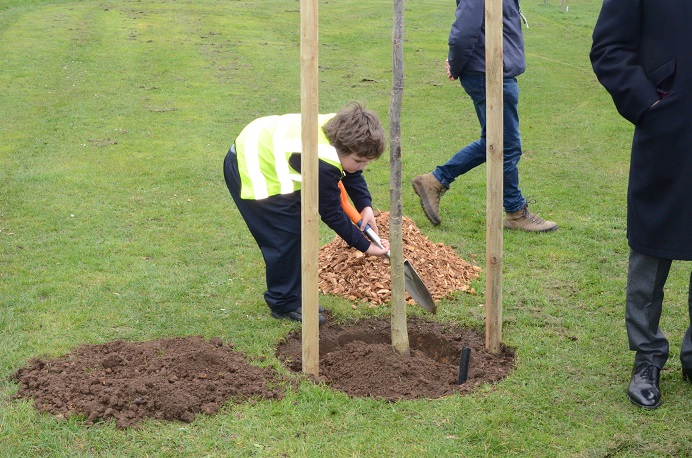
x: 356, y: 130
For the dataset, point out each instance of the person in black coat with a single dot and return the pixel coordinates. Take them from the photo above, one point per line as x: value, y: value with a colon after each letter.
x: 641, y: 55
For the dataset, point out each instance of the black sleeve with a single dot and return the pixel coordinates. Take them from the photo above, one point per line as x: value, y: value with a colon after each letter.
x: 330, y: 201
x: 616, y: 61
x: 357, y: 190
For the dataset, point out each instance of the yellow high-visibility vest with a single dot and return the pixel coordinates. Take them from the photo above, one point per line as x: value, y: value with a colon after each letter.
x: 263, y: 149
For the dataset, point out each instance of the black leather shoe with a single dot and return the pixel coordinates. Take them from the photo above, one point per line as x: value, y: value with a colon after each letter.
x: 643, y: 390
x: 297, y: 315
x: 687, y: 375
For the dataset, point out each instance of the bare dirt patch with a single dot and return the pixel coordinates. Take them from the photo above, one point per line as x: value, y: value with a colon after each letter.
x: 358, y: 359
x: 167, y: 379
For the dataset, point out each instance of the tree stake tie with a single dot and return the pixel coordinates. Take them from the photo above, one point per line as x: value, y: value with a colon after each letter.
x: 464, y: 364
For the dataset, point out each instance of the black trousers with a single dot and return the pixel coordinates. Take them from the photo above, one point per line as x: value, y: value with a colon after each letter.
x: 275, y: 224
x: 646, y: 278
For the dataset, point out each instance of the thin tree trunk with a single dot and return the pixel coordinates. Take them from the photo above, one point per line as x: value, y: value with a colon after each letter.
x: 398, y: 321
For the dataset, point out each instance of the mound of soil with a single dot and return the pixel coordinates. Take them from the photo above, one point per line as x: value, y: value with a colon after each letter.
x: 168, y: 379
x: 358, y: 359
x: 349, y: 273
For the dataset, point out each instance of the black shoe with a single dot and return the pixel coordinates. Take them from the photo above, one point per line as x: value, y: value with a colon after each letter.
x: 643, y: 390
x: 297, y: 315
x: 687, y: 375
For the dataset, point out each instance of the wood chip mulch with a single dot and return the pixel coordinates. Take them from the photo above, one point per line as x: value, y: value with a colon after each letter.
x: 365, y: 279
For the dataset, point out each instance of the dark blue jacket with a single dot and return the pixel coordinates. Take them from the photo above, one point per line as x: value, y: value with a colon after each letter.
x: 329, y: 200
x: 641, y: 54
x: 467, y: 39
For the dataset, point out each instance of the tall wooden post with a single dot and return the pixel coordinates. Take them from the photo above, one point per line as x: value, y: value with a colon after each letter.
x: 309, y: 190
x: 494, y: 158
x: 399, y: 325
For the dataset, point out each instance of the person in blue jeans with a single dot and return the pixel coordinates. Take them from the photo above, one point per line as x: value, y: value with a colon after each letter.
x: 466, y: 62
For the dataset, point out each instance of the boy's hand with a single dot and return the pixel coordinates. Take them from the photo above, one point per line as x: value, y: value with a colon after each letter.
x: 377, y: 251
x: 368, y: 217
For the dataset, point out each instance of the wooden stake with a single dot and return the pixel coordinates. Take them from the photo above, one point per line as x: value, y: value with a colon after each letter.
x: 399, y: 325
x: 309, y: 194
x: 494, y: 162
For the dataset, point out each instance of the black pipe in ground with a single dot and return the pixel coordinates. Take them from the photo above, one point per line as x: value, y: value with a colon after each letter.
x: 464, y: 364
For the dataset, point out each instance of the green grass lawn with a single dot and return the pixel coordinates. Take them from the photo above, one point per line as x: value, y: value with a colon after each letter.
x: 115, y: 223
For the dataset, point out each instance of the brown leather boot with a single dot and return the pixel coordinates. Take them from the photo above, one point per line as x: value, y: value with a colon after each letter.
x: 429, y: 190
x: 527, y: 221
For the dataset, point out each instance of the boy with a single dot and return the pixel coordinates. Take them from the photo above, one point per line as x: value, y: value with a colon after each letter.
x: 262, y: 172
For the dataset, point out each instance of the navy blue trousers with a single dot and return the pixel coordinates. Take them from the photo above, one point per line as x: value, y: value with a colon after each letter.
x: 274, y: 222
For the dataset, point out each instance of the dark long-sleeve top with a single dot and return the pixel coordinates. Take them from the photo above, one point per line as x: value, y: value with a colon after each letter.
x: 467, y: 39
x: 329, y: 200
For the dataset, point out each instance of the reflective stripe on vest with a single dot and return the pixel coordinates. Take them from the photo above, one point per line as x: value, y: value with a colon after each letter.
x: 263, y: 149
